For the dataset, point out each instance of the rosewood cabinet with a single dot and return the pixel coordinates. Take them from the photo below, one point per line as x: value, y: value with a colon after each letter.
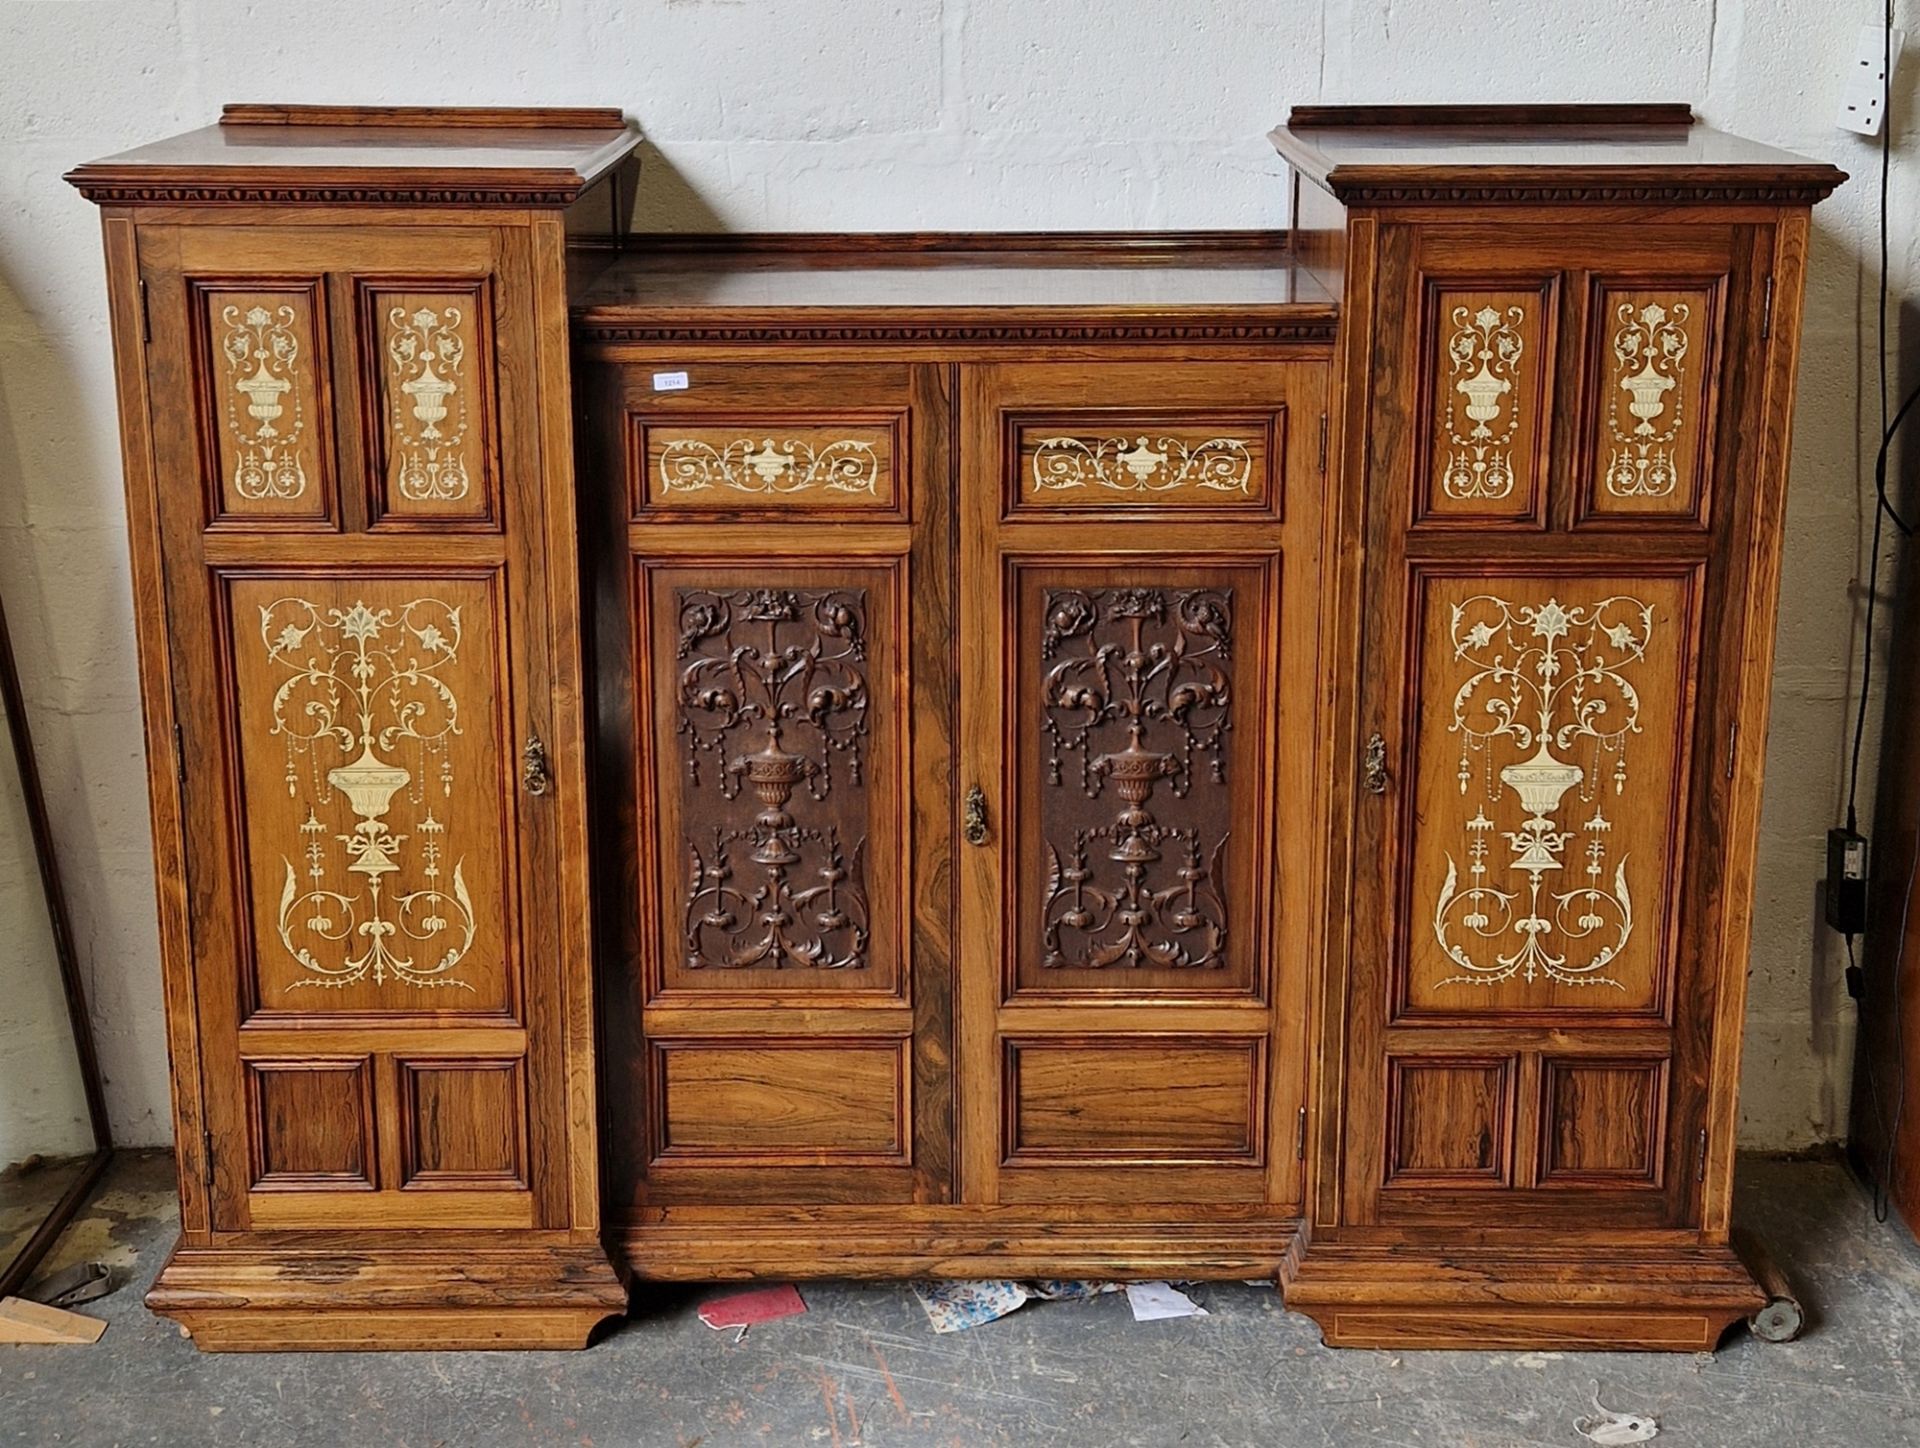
x: 1210, y: 755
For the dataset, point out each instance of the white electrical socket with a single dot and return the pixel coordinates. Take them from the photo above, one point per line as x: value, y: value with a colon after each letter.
x: 1863, y: 90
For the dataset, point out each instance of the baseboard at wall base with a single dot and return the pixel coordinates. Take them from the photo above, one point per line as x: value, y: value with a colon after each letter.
x: 1674, y: 1300
x: 454, y: 1296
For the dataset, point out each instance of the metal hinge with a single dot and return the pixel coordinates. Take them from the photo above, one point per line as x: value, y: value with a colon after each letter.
x: 1766, y: 310
x: 179, y: 756
x: 1733, y: 742
x: 1700, y: 1163
x: 206, y: 1153
x: 1323, y: 444
x: 146, y: 317
x: 1300, y: 1136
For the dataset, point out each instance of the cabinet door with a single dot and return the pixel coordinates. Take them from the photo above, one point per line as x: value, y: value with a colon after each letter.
x: 1552, y: 536
x: 1137, y: 778
x: 775, y: 688
x: 351, y: 510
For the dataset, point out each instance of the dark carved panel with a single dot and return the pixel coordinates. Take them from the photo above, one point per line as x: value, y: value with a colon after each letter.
x: 773, y: 704
x: 1136, y: 689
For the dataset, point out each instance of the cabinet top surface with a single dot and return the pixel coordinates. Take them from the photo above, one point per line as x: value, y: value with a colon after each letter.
x: 1548, y: 153
x: 344, y: 154
x: 917, y: 281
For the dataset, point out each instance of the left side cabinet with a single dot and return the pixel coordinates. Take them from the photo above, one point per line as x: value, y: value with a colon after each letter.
x: 355, y: 514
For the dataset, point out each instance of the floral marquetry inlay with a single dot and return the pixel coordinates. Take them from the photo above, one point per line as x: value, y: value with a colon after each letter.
x: 1487, y: 404
x: 432, y: 361
x: 803, y: 467
x: 1656, y: 346
x: 1544, y: 828
x: 266, y: 403
x: 1145, y: 463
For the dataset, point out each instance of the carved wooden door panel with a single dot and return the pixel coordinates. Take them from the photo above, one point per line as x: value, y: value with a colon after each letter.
x: 1138, y: 552
x: 352, y: 521
x: 776, y: 707
x: 1552, y: 537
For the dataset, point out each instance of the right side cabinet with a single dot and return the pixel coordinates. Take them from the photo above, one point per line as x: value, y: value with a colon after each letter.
x: 1568, y: 469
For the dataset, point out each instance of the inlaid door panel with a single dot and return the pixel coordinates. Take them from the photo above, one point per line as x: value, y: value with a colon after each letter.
x: 774, y: 568
x: 1137, y: 771
x: 1530, y: 913
x: 362, y: 718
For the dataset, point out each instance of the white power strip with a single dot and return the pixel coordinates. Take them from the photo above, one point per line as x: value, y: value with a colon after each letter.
x: 1863, y: 90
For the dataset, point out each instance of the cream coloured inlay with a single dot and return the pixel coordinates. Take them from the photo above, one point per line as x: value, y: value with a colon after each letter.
x: 1148, y: 465
x: 1546, y: 679
x: 262, y: 348
x: 363, y: 685
x: 792, y: 465
x: 1648, y: 349
x: 1484, y: 353
x: 426, y: 350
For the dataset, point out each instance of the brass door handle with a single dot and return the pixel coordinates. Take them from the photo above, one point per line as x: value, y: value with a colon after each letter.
x: 1373, y: 769
x: 534, y: 775
x: 973, y: 817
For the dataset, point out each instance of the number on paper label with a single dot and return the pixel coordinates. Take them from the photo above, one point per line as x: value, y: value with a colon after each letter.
x: 669, y: 382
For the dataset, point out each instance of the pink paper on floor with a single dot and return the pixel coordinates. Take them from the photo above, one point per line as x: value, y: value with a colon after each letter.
x: 750, y: 1309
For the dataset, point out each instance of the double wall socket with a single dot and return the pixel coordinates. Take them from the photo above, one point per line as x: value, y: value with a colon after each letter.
x: 1863, y: 92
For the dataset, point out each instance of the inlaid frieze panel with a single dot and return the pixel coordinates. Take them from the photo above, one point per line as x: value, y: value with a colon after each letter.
x: 372, y: 791
x: 777, y: 744
x: 264, y: 389
x: 431, y: 355
x: 1656, y: 355
x: 1105, y: 461
x: 1550, y: 777
x: 1489, y: 361
x: 1140, y: 702
x: 767, y: 462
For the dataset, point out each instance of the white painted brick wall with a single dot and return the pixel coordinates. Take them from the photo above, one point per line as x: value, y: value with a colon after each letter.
x: 895, y: 114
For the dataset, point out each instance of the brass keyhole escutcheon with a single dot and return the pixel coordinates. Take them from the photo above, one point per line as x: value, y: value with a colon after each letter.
x: 1373, y: 769
x: 973, y: 818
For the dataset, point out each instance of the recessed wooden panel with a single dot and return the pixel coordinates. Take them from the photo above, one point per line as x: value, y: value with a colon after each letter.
x: 1139, y: 696
x: 310, y: 1124
x: 428, y: 347
x: 1449, y: 1122
x: 373, y: 791
x: 1654, y: 366
x: 1603, y: 1122
x: 1552, y: 710
x: 801, y: 463
x: 1156, y: 462
x: 1488, y: 369
x: 463, y: 1123
x: 265, y: 399
x: 1147, y: 1100
x: 771, y: 702
x: 780, y: 1102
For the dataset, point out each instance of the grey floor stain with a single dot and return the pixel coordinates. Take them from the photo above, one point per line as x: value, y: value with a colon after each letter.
x: 862, y: 1370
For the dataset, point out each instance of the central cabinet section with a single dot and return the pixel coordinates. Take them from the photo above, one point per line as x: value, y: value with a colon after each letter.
x: 958, y: 760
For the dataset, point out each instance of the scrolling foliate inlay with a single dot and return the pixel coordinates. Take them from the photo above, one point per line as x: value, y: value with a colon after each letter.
x: 1136, y: 684
x: 430, y: 415
x: 365, y: 686
x: 1484, y: 351
x: 1555, y: 690
x: 773, y: 690
x: 261, y: 347
x: 1650, y: 345
x: 792, y: 465
x: 1147, y: 464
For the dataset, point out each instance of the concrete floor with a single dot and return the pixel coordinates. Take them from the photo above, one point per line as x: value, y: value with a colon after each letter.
x: 862, y: 1369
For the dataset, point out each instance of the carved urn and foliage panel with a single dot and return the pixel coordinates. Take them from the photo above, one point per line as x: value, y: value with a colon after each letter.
x: 428, y: 351
x: 1140, y: 700
x: 373, y: 804
x: 1550, y: 784
x: 775, y: 789
x: 1488, y: 373
x: 265, y: 392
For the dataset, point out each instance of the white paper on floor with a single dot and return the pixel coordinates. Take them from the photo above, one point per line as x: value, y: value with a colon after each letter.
x: 1611, y: 1429
x: 1153, y: 1301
